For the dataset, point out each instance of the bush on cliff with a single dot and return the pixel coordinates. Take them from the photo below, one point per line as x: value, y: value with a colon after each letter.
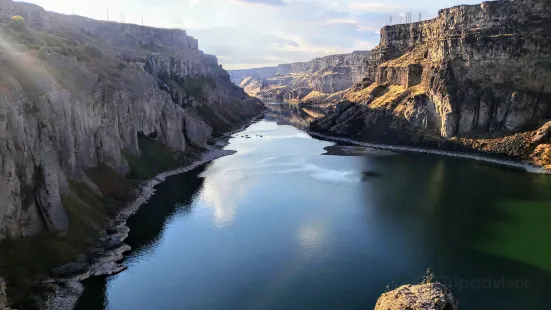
x: 18, y: 23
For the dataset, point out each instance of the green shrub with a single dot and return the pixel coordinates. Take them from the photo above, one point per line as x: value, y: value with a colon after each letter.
x: 155, y: 158
x: 18, y: 23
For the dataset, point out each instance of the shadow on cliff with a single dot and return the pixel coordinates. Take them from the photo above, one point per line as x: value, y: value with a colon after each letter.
x: 172, y: 197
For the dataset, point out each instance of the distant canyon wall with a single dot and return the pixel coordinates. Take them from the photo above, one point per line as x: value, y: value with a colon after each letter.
x: 75, y: 93
x: 304, y: 81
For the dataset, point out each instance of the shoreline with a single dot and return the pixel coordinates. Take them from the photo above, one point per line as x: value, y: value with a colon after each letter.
x: 108, y: 252
x: 528, y: 167
x: 146, y: 189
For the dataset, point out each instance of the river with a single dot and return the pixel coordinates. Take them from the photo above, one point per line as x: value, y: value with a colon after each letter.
x: 292, y: 222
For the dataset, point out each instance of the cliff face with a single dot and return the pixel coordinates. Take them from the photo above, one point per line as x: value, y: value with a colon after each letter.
x: 75, y: 93
x: 238, y: 76
x: 311, y: 81
x: 475, y: 71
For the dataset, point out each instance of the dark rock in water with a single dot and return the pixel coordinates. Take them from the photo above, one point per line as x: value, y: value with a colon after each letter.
x: 370, y: 174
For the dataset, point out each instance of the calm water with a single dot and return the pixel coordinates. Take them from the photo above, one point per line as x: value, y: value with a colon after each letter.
x: 280, y: 225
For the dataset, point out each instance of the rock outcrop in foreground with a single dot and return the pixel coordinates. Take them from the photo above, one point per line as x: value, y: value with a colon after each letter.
x: 3, y: 299
x: 432, y: 296
x: 320, y: 80
x: 75, y: 93
x: 475, y: 77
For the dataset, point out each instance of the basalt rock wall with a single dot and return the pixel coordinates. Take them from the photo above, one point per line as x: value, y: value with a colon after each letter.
x: 75, y: 93
x: 474, y: 72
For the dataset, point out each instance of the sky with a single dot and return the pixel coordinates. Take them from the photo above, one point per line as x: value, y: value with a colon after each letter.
x: 259, y: 33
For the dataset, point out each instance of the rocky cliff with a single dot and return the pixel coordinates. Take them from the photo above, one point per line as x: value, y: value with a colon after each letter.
x: 321, y: 79
x: 75, y: 93
x: 475, y: 77
x: 237, y: 76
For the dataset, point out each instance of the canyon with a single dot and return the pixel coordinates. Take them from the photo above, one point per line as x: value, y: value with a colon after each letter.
x: 89, y: 110
x: 477, y: 78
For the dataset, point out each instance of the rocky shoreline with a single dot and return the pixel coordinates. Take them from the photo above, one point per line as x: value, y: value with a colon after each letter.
x: 528, y: 167
x: 104, y: 258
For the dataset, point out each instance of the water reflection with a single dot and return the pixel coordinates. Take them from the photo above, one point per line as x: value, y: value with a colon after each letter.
x: 290, y: 114
x: 223, y: 191
x: 172, y: 198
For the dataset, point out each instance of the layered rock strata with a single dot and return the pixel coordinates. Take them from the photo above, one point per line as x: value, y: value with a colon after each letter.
x: 475, y: 77
x: 321, y: 79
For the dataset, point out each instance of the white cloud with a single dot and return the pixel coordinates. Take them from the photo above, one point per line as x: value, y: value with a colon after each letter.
x: 193, y: 3
x: 362, y: 45
x: 257, y: 33
x: 301, y: 45
x: 341, y: 21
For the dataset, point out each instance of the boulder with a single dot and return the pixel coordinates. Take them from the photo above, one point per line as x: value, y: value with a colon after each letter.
x: 432, y: 296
